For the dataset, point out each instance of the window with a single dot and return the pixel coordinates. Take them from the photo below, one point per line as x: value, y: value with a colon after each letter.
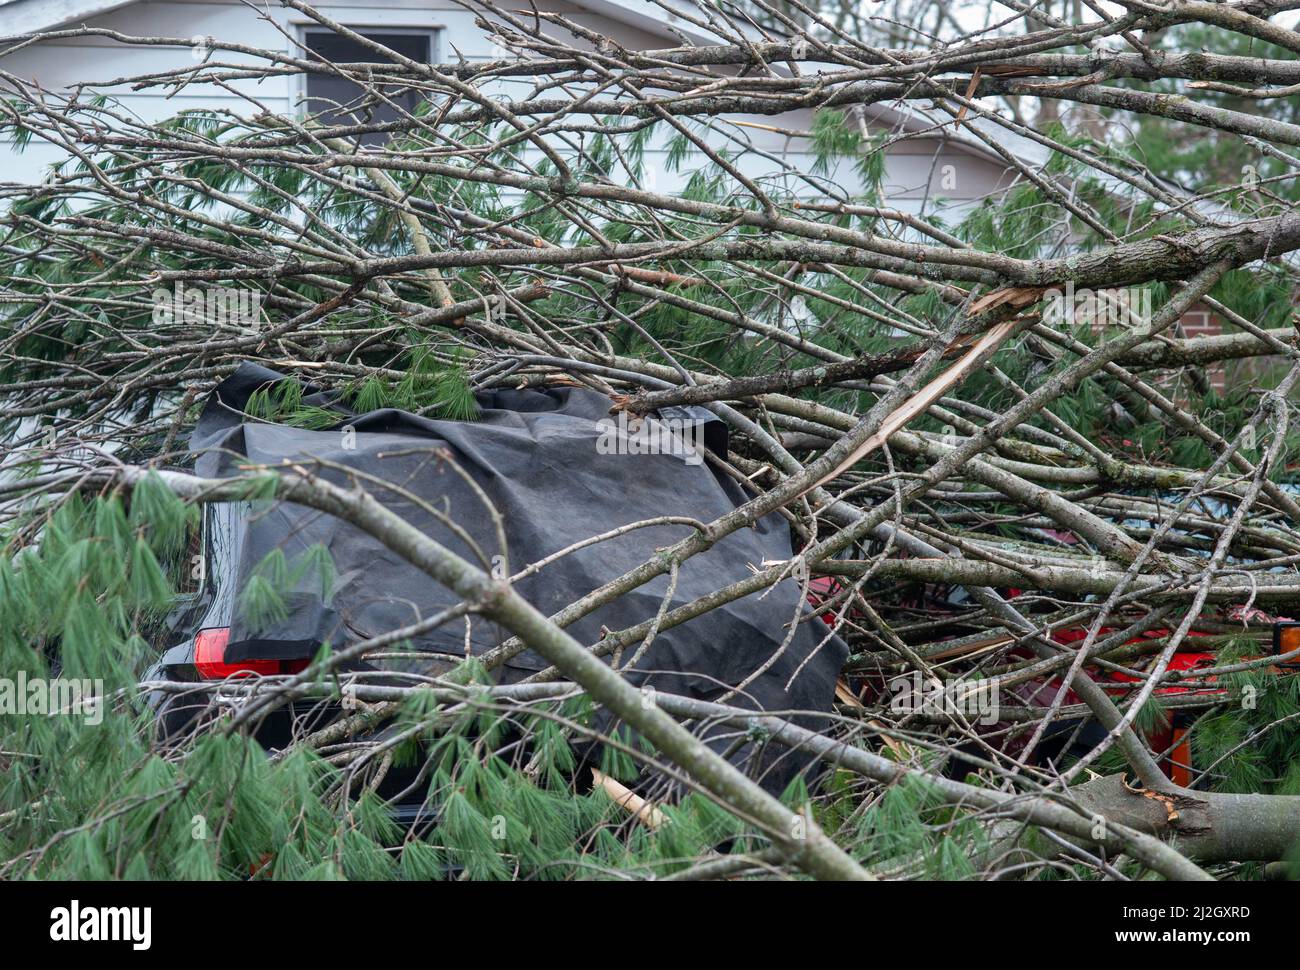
x: 336, y: 100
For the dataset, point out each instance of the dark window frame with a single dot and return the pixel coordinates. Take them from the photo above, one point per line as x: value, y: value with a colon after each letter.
x: 303, y: 103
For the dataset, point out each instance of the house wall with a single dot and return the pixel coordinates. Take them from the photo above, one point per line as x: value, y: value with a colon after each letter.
x: 916, y: 171
x: 1199, y: 320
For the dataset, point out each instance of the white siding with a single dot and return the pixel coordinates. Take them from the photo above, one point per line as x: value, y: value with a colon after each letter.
x: 915, y: 170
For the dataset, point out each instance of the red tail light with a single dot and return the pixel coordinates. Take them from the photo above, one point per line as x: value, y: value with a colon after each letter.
x: 210, y: 659
x: 1286, y: 638
x: 1179, y: 766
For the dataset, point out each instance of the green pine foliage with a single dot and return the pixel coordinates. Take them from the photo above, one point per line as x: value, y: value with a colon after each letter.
x: 104, y: 800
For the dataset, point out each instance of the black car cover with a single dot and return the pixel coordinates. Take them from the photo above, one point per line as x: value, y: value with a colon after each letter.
x: 542, y: 459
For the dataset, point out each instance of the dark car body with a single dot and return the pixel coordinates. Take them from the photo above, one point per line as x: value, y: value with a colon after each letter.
x: 533, y: 478
x: 202, y: 620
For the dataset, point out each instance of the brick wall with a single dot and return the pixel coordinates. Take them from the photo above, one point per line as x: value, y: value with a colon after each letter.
x: 1200, y: 321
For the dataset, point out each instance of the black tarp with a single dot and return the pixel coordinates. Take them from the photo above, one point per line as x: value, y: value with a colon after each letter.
x: 534, y: 454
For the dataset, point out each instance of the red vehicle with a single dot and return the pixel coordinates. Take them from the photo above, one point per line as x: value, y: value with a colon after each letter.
x: 1171, y: 742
